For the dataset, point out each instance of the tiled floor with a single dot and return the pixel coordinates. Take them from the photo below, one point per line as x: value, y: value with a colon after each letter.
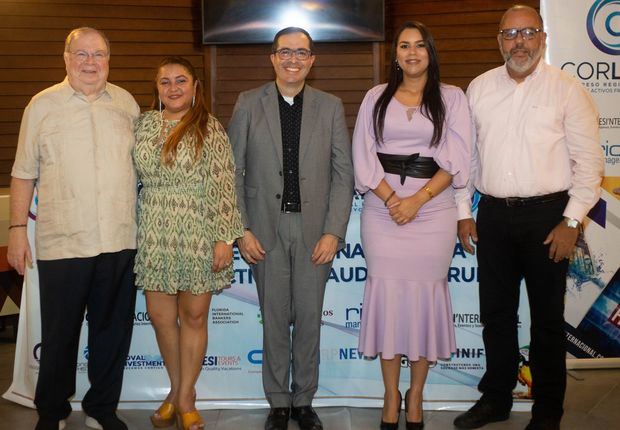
x: 592, y: 403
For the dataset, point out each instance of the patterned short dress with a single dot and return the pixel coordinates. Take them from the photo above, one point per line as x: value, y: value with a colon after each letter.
x: 183, y: 209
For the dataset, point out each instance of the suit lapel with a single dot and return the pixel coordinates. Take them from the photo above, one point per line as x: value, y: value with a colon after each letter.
x: 272, y: 114
x: 309, y: 115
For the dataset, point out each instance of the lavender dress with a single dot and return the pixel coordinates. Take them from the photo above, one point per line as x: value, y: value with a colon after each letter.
x: 407, y: 307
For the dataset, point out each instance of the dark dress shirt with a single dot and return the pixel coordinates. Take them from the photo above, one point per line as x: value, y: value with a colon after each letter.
x: 290, y: 123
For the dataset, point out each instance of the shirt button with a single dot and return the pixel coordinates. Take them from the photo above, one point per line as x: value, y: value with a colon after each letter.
x: 278, y: 196
x: 280, y: 172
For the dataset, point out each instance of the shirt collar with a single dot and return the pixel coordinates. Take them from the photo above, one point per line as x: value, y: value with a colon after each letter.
x: 298, y: 97
x: 67, y: 91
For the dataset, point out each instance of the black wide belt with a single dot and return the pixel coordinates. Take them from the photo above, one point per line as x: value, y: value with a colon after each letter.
x: 291, y: 207
x: 412, y: 165
x: 513, y: 202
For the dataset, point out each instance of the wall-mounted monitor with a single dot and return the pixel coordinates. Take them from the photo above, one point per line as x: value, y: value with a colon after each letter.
x: 257, y: 21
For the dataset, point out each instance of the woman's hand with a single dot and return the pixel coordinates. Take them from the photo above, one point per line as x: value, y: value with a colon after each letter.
x: 406, y: 210
x: 222, y: 256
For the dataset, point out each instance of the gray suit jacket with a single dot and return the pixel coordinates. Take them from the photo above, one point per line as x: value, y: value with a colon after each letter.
x: 325, y: 166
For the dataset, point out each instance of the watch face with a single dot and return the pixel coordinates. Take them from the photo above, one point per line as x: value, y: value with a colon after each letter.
x: 572, y: 223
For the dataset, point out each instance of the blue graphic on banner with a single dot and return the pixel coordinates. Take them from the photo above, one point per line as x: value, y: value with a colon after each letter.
x: 600, y: 328
x: 603, y: 26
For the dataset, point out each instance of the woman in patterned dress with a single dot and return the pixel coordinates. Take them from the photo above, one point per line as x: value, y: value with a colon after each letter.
x: 187, y: 222
x: 411, y: 147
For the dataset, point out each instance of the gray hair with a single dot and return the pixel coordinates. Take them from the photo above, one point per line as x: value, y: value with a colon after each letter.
x: 81, y: 30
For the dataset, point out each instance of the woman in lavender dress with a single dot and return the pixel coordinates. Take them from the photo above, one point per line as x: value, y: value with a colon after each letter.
x: 411, y: 147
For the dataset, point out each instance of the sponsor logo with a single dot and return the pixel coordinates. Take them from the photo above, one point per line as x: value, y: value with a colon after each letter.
x: 255, y: 356
x: 466, y: 320
x: 221, y: 362
x: 144, y: 361
x: 469, y: 353
x: 612, y: 153
x: 610, y: 122
x: 225, y: 316
x: 353, y: 317
x: 603, y: 26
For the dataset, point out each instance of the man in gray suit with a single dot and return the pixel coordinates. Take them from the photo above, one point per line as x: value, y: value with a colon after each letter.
x: 295, y: 186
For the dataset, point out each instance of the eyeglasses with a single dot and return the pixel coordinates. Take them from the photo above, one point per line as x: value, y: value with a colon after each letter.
x: 527, y: 33
x: 82, y: 56
x: 287, y: 54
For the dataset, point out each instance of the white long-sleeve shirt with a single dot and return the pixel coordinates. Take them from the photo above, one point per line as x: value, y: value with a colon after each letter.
x: 533, y: 138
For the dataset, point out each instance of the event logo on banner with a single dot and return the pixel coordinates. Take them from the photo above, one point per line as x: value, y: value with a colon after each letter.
x: 602, y: 29
x: 584, y: 40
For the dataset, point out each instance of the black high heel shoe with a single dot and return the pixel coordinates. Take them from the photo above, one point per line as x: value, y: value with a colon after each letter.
x: 412, y: 425
x: 393, y: 426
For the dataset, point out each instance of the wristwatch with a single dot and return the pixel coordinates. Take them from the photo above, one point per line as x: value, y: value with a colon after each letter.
x: 572, y: 222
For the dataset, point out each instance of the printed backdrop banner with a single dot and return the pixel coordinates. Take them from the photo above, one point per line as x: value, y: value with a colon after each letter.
x: 584, y: 40
x: 231, y: 376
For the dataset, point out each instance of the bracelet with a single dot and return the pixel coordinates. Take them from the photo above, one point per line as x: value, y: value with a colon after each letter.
x: 429, y: 191
x: 17, y: 226
x: 385, y: 202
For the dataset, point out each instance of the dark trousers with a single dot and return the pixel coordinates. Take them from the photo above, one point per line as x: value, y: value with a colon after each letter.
x: 510, y: 248
x: 104, y: 285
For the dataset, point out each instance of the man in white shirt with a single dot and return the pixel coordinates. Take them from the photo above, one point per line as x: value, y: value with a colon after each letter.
x: 537, y: 163
x: 75, y: 144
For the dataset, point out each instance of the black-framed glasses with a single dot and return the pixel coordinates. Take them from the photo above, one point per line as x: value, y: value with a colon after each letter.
x: 287, y: 53
x: 527, y: 33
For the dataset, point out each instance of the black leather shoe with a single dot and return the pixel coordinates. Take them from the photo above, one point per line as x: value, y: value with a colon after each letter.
x: 411, y: 425
x: 479, y: 415
x: 277, y: 419
x: 393, y: 426
x: 306, y: 417
x: 543, y: 424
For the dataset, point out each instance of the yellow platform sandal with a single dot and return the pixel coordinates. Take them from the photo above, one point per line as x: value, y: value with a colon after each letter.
x: 190, y: 421
x: 164, y: 416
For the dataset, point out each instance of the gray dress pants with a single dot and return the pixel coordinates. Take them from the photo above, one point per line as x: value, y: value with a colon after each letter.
x: 290, y: 291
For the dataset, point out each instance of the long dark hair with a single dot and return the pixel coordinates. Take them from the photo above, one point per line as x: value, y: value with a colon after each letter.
x: 432, y: 106
x: 193, y: 123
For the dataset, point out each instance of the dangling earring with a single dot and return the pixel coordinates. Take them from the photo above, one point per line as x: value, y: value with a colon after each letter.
x: 159, y: 105
x: 193, y: 100
x: 397, y: 65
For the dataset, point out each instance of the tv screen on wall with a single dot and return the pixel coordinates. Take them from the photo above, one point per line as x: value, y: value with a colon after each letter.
x: 257, y: 21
